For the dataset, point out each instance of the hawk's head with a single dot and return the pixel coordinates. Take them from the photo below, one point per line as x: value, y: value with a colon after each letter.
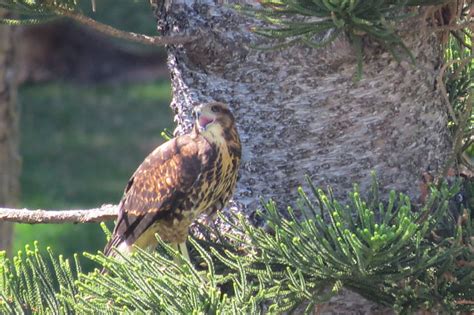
x: 214, y: 121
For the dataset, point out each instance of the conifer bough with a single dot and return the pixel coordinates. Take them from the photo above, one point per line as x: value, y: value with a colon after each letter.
x: 393, y: 258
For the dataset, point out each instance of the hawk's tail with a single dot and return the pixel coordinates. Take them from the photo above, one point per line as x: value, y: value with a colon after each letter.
x: 119, y: 244
x: 113, y: 242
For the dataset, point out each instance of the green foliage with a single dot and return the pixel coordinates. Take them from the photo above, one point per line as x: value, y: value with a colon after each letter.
x: 389, y: 252
x: 460, y: 76
x: 459, y: 82
x: 166, y: 134
x: 317, y: 23
x: 383, y: 252
x: 158, y: 284
x: 34, y: 284
x: 34, y: 11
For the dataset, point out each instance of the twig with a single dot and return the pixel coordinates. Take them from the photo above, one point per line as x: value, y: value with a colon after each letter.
x: 104, y: 213
x: 453, y: 27
x: 442, y: 86
x: 461, y: 40
x: 458, y: 137
x: 111, y: 31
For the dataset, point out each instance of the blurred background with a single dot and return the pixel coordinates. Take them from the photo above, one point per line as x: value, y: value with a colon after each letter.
x: 91, y: 109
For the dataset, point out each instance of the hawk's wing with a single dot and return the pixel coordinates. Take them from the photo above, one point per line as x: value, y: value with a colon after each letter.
x: 156, y: 188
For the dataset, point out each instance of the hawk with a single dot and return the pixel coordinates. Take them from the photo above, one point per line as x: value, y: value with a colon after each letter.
x: 188, y: 175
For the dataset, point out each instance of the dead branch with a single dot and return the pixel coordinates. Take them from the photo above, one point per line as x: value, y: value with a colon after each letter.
x: 461, y: 26
x: 111, y: 31
x: 103, y: 213
x: 461, y: 40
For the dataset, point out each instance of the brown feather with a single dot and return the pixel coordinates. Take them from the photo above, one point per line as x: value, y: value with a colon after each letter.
x: 159, y: 186
x: 186, y: 176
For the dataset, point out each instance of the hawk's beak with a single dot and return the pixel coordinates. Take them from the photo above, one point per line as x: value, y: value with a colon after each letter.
x: 203, y: 121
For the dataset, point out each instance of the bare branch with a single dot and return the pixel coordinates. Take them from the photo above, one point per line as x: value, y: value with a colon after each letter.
x: 442, y: 86
x: 467, y: 24
x: 111, y: 31
x: 104, y: 213
x: 461, y: 40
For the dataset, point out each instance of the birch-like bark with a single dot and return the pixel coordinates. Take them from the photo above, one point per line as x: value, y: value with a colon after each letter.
x: 9, y: 157
x: 299, y: 111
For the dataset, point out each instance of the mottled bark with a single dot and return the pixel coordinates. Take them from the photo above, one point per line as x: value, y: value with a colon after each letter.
x: 9, y: 156
x: 299, y: 111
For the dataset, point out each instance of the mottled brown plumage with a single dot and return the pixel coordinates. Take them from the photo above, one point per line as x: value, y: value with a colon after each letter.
x: 186, y: 176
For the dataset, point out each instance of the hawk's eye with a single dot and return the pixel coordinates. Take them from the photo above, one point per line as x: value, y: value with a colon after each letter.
x: 216, y: 109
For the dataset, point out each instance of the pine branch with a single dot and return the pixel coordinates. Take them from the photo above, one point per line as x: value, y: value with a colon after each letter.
x: 38, y: 283
x: 103, y: 213
x: 383, y: 250
x: 409, y: 259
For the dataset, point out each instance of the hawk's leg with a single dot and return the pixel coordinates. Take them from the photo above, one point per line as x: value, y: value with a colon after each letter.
x: 181, y: 248
x: 184, y: 251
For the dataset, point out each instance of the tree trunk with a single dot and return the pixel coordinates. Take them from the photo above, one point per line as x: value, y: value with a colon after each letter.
x: 9, y: 156
x: 299, y: 111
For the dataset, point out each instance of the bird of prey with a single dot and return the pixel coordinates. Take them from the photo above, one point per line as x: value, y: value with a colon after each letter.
x: 188, y: 175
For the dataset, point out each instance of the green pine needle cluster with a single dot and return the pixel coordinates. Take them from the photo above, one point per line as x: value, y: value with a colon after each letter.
x: 31, y: 283
x: 317, y: 23
x: 405, y: 257
x: 459, y: 82
x: 155, y: 283
x: 26, y: 12
x: 380, y: 250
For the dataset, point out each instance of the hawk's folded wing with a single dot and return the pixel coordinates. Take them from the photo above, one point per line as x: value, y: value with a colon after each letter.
x: 157, y: 188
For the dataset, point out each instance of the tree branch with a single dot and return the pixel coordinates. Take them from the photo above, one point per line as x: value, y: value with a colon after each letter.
x: 104, y: 213
x: 111, y: 31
